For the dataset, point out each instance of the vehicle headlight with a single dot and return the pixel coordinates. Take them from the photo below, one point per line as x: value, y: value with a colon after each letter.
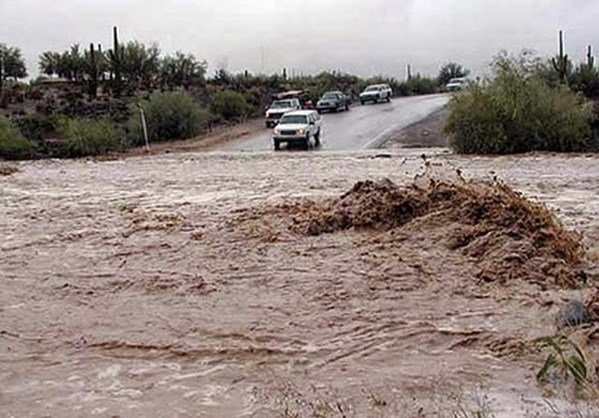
x: 277, y: 131
x: 300, y: 132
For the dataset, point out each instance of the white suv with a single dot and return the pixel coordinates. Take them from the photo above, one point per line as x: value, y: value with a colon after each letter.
x: 376, y: 93
x: 298, y: 127
x: 456, y: 84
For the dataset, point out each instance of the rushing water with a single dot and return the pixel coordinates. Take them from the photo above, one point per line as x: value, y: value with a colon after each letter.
x: 142, y: 287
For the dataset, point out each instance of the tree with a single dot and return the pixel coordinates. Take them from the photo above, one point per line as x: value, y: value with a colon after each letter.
x: 222, y: 77
x: 183, y: 70
x: 48, y: 63
x: 449, y: 71
x: 12, y: 64
x: 140, y: 64
x: 70, y: 64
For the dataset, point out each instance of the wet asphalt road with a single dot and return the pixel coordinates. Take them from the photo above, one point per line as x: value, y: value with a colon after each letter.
x: 362, y: 127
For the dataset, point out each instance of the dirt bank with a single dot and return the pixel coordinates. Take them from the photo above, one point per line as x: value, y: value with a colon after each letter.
x: 427, y: 133
x: 187, y: 284
x: 7, y: 169
x: 219, y: 137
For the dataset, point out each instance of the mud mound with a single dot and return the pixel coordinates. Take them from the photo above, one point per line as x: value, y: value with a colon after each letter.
x: 142, y: 220
x: 7, y: 169
x: 508, y: 235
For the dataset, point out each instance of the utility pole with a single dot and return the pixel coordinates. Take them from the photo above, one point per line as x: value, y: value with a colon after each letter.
x: 144, y: 126
x: 1, y: 72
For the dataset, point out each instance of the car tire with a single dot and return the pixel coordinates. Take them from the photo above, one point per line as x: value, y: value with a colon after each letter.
x: 317, y: 139
x: 346, y: 107
x: 307, y: 143
x: 277, y: 145
x: 362, y: 102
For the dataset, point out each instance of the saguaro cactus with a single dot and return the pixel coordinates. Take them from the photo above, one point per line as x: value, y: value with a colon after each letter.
x: 117, y: 55
x: 561, y: 63
x: 93, y: 72
x: 101, y: 64
x: 590, y: 58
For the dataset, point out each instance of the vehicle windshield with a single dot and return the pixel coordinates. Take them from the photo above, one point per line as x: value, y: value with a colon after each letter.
x: 456, y: 80
x: 372, y: 88
x: 330, y: 96
x: 281, y: 104
x: 294, y: 119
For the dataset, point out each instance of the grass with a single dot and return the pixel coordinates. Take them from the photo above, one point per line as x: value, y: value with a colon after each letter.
x: 565, y: 363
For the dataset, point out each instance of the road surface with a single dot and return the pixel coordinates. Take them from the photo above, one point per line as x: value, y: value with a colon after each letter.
x: 360, y: 128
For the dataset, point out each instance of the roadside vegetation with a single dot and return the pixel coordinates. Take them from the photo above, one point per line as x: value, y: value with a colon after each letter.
x: 528, y: 105
x: 13, y: 145
x: 85, y: 137
x: 517, y: 112
x: 169, y: 116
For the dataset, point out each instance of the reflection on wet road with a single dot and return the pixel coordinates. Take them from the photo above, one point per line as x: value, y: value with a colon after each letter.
x: 360, y: 128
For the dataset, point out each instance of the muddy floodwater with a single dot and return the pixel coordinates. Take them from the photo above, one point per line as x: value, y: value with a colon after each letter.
x: 165, y: 286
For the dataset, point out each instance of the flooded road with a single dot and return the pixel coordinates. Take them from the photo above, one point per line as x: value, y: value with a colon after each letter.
x: 157, y: 287
x: 362, y: 127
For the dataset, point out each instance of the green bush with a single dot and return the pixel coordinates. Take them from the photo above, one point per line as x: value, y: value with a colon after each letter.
x: 169, y: 116
x: 517, y: 112
x: 585, y: 79
x: 13, y: 145
x: 35, y: 127
x: 419, y: 85
x: 84, y: 137
x: 228, y: 104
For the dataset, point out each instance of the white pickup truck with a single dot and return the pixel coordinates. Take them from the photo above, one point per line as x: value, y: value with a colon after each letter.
x: 278, y: 108
x: 298, y: 127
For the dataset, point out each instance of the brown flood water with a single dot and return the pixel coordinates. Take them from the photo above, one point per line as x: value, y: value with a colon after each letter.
x: 156, y: 287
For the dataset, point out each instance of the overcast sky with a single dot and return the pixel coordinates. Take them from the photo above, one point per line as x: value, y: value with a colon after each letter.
x: 365, y: 37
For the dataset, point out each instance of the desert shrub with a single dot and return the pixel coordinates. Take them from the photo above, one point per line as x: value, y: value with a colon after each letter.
x: 13, y: 145
x: 84, y: 137
x: 419, y: 85
x: 449, y: 71
x: 585, y: 79
x: 516, y: 112
x: 169, y: 116
x: 228, y: 104
x: 35, y: 127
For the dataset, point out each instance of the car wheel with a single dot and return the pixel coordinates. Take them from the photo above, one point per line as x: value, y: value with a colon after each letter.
x: 346, y: 107
x: 362, y: 102
x: 388, y: 99
x: 307, y: 142
x: 317, y: 138
x: 277, y: 145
